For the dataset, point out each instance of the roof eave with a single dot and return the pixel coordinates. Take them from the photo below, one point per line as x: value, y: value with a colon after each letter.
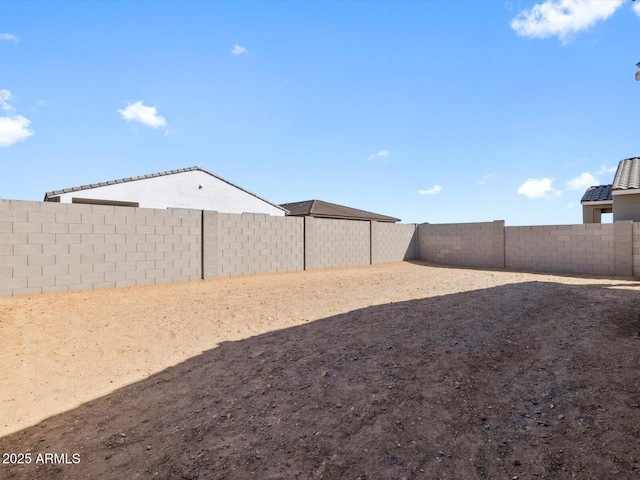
x: 626, y: 191
x: 366, y: 219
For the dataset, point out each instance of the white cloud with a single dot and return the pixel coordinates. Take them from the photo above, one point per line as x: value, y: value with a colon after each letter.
x: 9, y: 37
x: 432, y: 191
x: 563, y: 18
x: 14, y: 129
x: 486, y: 178
x: 39, y: 104
x: 636, y: 8
x: 5, y: 98
x: 238, y: 50
x: 381, y: 154
x: 585, y: 180
x: 605, y: 169
x: 137, y: 112
x: 538, y: 188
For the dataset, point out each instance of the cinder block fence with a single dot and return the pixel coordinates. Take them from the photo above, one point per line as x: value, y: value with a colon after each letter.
x: 49, y: 247
x: 600, y: 249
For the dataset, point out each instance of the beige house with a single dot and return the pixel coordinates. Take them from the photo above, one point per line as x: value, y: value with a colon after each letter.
x: 622, y: 197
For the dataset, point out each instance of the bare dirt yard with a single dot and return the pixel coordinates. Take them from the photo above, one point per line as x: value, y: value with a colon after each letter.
x: 396, y: 371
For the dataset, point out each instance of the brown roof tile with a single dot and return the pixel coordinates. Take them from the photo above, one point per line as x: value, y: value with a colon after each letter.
x: 322, y: 209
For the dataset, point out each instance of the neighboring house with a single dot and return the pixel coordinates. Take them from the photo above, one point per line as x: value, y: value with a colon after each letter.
x: 320, y: 209
x: 596, y: 201
x: 188, y: 188
x: 622, y: 197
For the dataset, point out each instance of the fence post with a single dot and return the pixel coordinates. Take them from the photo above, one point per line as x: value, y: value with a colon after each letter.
x: 373, y: 242
x: 309, y: 243
x: 210, y: 253
x: 498, y: 244
x: 623, y: 248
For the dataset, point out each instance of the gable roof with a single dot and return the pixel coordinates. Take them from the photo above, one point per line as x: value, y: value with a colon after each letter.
x: 56, y: 193
x: 599, y: 193
x: 627, y: 175
x: 321, y: 209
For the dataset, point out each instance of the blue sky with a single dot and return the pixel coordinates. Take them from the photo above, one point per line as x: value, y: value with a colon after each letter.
x: 430, y: 111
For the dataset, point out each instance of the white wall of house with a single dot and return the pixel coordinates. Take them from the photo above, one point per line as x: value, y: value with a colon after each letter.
x: 194, y: 189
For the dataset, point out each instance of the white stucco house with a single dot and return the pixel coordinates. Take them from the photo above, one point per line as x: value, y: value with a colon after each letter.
x: 189, y: 188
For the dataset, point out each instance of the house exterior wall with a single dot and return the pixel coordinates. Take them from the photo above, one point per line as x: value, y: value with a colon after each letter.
x: 591, y: 214
x: 180, y: 190
x: 626, y: 207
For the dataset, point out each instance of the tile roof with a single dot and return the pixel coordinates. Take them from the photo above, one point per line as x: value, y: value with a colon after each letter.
x: 627, y: 175
x: 319, y: 208
x: 599, y: 193
x: 56, y: 193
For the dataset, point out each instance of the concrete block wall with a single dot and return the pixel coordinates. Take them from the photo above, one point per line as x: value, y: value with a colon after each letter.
x: 48, y: 247
x: 584, y: 248
x: 393, y: 242
x: 464, y: 244
x: 635, y: 249
x: 623, y: 248
x: 337, y: 243
x: 253, y: 243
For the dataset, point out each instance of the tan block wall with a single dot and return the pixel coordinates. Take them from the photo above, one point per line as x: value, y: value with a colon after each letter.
x: 623, y: 248
x: 338, y: 243
x: 253, y: 243
x: 56, y: 247
x: 48, y: 247
x: 393, y: 242
x: 636, y: 250
x: 464, y: 244
x: 586, y: 248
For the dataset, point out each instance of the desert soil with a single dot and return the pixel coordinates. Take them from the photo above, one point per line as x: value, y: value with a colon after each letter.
x: 396, y: 371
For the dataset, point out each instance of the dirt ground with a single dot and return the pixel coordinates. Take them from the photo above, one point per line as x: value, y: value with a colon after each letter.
x: 397, y: 371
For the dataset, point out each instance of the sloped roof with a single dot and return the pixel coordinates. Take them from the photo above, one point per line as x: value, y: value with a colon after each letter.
x: 56, y: 193
x: 319, y: 208
x: 627, y: 175
x: 599, y: 193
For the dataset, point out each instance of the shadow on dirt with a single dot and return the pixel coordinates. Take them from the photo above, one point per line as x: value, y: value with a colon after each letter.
x: 535, y: 380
